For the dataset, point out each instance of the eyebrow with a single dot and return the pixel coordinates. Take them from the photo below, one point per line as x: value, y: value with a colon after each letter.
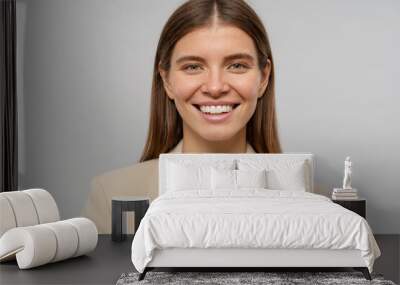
x: 226, y: 58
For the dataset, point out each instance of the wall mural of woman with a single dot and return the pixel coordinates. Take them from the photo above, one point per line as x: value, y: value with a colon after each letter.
x: 212, y: 92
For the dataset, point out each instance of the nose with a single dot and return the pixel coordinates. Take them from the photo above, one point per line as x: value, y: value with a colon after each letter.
x: 215, y: 84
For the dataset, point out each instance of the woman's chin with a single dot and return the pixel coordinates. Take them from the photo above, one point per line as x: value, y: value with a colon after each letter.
x: 217, y: 136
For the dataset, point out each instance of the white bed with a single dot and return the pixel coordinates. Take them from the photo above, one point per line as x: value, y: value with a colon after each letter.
x: 201, y: 226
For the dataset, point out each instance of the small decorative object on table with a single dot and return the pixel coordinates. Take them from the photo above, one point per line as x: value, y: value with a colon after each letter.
x: 347, y: 192
x: 347, y: 196
x: 139, y: 205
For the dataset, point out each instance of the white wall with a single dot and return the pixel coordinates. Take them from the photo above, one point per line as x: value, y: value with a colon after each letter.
x: 84, y: 91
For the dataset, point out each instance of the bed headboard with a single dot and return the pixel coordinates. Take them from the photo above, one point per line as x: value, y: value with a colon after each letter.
x: 166, y: 158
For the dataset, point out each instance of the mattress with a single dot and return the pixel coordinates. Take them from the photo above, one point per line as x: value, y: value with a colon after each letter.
x: 250, y: 219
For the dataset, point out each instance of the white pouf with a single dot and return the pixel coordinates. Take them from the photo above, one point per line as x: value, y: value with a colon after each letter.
x: 23, y: 208
x: 45, y: 205
x: 7, y: 219
x: 40, y: 244
x: 30, y: 230
x: 67, y: 239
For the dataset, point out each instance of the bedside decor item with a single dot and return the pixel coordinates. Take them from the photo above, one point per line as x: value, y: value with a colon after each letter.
x: 347, y: 192
x: 31, y: 231
x: 344, y: 194
x: 347, y: 174
x: 122, y: 204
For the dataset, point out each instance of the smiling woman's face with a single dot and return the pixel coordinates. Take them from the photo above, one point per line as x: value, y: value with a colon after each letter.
x: 215, y: 82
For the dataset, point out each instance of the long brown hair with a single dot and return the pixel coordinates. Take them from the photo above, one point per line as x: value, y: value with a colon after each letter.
x: 165, y: 127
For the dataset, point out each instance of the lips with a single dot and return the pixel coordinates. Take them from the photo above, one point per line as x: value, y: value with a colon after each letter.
x: 215, y: 117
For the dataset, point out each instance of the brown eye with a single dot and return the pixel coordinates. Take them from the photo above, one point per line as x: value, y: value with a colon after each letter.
x: 191, y: 67
x: 239, y: 66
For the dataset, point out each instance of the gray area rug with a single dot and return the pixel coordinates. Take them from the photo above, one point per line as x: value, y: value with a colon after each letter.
x: 225, y: 278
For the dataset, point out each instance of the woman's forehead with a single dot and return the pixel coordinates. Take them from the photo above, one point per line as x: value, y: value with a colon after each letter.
x: 215, y: 41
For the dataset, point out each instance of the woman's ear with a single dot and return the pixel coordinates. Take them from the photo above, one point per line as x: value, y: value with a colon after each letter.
x: 166, y: 85
x: 265, y: 78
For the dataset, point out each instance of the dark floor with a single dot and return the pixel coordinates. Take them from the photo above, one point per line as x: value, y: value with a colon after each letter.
x: 110, y: 259
x: 389, y: 262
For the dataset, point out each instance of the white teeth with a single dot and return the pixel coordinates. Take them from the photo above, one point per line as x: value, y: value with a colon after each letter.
x: 216, y: 109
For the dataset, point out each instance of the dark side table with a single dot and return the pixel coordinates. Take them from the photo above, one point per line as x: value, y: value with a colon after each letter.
x: 358, y: 206
x: 122, y: 204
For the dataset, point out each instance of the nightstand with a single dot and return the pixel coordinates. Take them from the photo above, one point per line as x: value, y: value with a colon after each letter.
x: 122, y: 204
x: 358, y: 206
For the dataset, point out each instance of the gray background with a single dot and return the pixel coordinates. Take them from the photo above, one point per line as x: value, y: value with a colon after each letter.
x: 84, y: 80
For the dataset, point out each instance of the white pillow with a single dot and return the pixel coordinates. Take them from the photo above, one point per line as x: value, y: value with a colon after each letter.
x: 223, y: 179
x: 251, y: 178
x: 187, y: 177
x: 281, y: 174
x: 287, y: 179
x: 236, y: 179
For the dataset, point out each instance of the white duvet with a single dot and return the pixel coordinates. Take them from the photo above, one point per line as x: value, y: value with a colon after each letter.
x: 250, y: 218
